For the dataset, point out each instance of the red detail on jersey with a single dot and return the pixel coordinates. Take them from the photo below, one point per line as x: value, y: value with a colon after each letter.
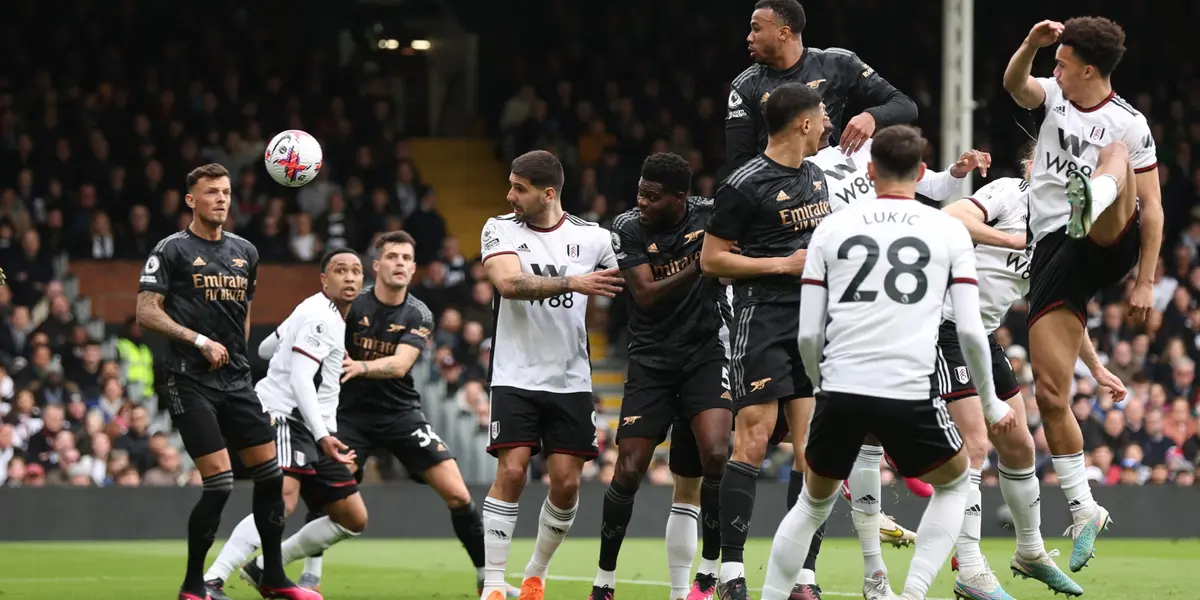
x: 963, y: 280
x: 812, y: 282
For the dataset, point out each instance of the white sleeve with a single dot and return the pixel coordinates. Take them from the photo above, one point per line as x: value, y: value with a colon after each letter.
x: 303, y: 375
x: 1050, y: 86
x: 314, y: 338
x: 1143, y: 154
x: 814, y: 261
x: 939, y: 185
x: 972, y: 337
x: 991, y: 198
x: 269, y: 345
x: 608, y: 256
x: 495, y: 240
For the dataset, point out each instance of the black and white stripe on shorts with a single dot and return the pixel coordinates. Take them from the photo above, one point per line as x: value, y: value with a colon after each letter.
x: 739, y: 346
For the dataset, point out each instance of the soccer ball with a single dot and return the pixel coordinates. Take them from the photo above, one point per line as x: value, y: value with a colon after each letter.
x: 293, y: 158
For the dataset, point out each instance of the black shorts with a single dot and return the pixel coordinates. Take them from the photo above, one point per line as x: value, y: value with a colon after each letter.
x: 405, y: 434
x: 918, y: 435
x: 210, y: 420
x: 544, y: 421
x: 1066, y: 272
x: 953, y: 376
x: 658, y: 400
x: 765, y: 360
x: 322, y: 479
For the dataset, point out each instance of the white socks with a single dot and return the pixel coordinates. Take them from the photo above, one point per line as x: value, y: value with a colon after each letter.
x: 866, y: 496
x: 1023, y: 496
x: 969, y: 555
x: 1072, y: 478
x: 312, y: 566
x: 499, y: 521
x: 314, y: 537
x: 243, y: 542
x: 790, y: 546
x: 682, y: 541
x: 1104, y: 193
x: 940, y: 525
x: 552, y: 530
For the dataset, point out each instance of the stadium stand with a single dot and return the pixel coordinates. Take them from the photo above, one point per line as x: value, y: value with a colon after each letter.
x: 98, y: 130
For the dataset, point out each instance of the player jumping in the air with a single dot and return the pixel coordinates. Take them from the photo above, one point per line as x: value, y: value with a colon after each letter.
x: 885, y: 265
x: 1095, y: 208
x: 675, y: 380
x: 545, y: 264
x: 202, y: 278
x: 996, y: 216
x: 300, y: 392
x: 770, y: 208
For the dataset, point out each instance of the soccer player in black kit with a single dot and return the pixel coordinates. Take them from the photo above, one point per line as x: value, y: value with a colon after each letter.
x: 387, y: 328
x: 196, y: 290
x: 675, y: 379
x: 770, y: 208
x: 837, y: 75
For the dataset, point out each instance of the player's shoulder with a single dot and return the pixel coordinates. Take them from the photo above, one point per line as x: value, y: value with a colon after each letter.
x: 174, y: 241
x: 1123, y: 110
x: 835, y: 57
x: 749, y: 173
x: 747, y: 77
x: 699, y: 205
x: 505, y: 221
x: 628, y: 222
x: 571, y: 220
x: 417, y: 307
x: 319, y: 307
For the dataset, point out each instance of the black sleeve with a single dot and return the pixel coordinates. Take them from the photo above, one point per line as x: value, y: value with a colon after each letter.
x: 156, y: 274
x: 419, y: 323
x: 628, y: 242
x: 252, y: 272
x: 741, y: 121
x: 731, y: 214
x: 886, y: 103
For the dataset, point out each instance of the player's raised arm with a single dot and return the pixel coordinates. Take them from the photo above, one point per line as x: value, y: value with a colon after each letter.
x: 886, y: 105
x: 977, y: 209
x: 731, y: 213
x: 972, y: 336
x: 1018, y: 80
x: 941, y: 185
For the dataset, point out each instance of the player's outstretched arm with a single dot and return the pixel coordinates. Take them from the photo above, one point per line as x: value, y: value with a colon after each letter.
x: 717, y: 259
x: 1018, y: 80
x: 811, y: 336
x: 268, y: 346
x: 391, y: 367
x: 942, y: 185
x: 972, y: 216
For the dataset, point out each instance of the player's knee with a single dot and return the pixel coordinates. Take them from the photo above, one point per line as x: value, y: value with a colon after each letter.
x: 630, y: 470
x: 712, y: 461
x: 458, y: 498
x: 750, y: 445
x: 564, y: 488
x: 1050, y: 395
x: 976, y: 444
x: 354, y: 521
x: 1016, y: 447
x: 510, y: 471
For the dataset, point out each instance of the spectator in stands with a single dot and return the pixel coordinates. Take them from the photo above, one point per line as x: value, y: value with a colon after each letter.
x: 8, y: 450
x: 136, y: 440
x: 169, y: 470
x: 137, y: 360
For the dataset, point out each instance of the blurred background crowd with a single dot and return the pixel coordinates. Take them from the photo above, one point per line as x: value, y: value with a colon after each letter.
x: 99, y: 124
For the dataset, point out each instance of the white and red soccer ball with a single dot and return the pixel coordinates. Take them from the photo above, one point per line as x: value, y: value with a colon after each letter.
x: 293, y: 158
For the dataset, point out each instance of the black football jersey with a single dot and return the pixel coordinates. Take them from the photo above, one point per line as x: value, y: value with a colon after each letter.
x: 208, y: 288
x: 374, y: 330
x: 838, y: 75
x: 770, y: 211
x: 685, y: 333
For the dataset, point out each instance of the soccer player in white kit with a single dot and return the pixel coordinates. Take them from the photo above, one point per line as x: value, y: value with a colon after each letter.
x: 545, y: 265
x: 301, y: 392
x: 996, y: 217
x: 1095, y: 213
x: 885, y: 265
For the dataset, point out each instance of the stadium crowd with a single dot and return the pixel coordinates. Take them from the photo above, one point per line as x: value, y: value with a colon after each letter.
x: 97, y: 135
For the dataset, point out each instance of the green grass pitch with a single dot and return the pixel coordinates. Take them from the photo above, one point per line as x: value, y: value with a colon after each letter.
x: 422, y: 569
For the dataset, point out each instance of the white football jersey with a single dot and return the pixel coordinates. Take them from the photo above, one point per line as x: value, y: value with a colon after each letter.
x: 1003, y: 273
x: 542, y: 345
x: 1070, y: 140
x: 847, y: 180
x: 887, y: 264
x: 314, y: 331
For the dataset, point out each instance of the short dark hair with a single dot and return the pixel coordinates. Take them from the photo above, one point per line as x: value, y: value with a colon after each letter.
x: 209, y: 171
x: 395, y: 237
x: 541, y: 168
x: 1097, y: 41
x: 789, y: 13
x: 332, y: 253
x: 786, y: 103
x: 669, y: 169
x: 897, y: 152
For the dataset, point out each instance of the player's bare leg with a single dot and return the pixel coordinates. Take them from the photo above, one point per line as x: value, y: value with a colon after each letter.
x: 446, y: 479
x: 558, y: 513
x: 500, y: 518
x: 754, y: 426
x: 633, y: 460
x: 1054, y: 341
x: 712, y: 429
x: 1099, y: 209
x: 799, y: 414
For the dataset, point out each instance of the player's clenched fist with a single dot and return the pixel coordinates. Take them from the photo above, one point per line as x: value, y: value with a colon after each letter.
x: 1045, y: 33
x: 605, y: 283
x: 215, y: 353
